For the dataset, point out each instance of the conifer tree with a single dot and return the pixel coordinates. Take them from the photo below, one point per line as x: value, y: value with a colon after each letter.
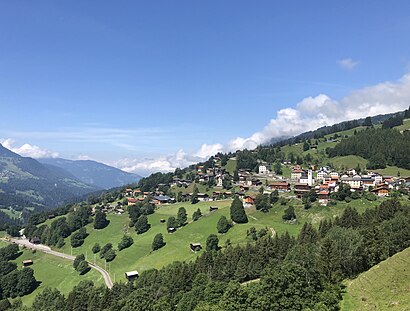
x: 238, y: 214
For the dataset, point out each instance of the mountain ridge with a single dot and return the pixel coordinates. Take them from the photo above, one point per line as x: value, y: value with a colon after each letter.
x: 93, y: 172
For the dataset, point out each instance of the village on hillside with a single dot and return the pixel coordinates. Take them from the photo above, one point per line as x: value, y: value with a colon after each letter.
x: 218, y: 183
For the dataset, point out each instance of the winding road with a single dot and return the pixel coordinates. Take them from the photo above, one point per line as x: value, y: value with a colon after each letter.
x: 48, y: 250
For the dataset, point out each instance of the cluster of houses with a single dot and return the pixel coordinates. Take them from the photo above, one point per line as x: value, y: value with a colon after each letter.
x: 328, y: 181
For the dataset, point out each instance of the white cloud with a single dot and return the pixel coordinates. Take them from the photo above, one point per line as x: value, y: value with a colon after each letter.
x: 27, y: 150
x: 347, y: 63
x: 309, y: 114
x: 161, y: 164
x: 207, y: 151
x: 83, y: 157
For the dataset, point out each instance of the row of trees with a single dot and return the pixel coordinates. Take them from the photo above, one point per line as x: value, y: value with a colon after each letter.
x: 13, y: 282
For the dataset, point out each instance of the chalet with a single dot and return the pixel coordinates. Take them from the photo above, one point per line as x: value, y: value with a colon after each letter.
x: 256, y: 182
x: 137, y: 192
x: 301, y: 189
x: 146, y: 194
x: 249, y: 200
x: 171, y: 230
x: 323, y: 197
x: 131, y: 201
x: 296, y: 174
x: 203, y: 196
x: 322, y: 174
x: 27, y: 263
x: 334, y: 175
x: 131, y: 275
x: 244, y: 188
x: 213, y: 208
x: 280, y: 186
x: 368, y: 181
x: 240, y: 194
x: 382, y: 191
x: 354, y: 182
x: 195, y: 247
x: 35, y: 240
x: 388, y: 179
x: 163, y: 199
x: 378, y: 179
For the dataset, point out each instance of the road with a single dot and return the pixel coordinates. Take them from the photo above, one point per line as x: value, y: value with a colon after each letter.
x: 48, y: 250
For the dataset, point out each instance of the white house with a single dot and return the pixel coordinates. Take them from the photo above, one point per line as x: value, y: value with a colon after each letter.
x: 263, y: 170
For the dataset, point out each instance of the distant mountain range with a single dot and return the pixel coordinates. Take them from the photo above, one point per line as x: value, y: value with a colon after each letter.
x: 93, y: 173
x: 46, y: 183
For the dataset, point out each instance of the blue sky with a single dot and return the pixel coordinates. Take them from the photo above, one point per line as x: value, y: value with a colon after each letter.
x: 140, y: 82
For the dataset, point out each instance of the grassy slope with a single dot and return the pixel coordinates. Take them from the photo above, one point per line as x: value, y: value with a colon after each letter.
x: 393, y: 170
x: 231, y: 166
x: 139, y: 256
x: 54, y: 272
x: 386, y: 286
x: 350, y: 161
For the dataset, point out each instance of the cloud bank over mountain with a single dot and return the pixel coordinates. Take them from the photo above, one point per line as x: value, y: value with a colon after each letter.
x: 309, y: 114
x: 27, y: 150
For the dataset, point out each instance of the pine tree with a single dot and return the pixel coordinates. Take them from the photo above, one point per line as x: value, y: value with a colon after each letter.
x: 172, y: 223
x: 212, y: 243
x: 100, y: 221
x: 158, y: 242
x: 196, y: 215
x: 126, y: 242
x: 194, y: 198
x: 96, y: 248
x: 223, y: 225
x: 182, y: 217
x: 238, y: 214
x: 142, y: 224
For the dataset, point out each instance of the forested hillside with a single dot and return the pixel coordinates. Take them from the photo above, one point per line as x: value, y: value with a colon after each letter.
x: 381, y: 147
x: 302, y: 273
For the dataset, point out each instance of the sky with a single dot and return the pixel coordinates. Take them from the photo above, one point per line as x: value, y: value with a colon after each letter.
x: 153, y: 85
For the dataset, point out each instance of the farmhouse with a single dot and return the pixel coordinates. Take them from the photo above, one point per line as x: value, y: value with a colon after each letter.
x: 131, y: 275
x: 323, y: 197
x: 131, y: 201
x: 203, y: 196
x: 163, y: 199
x: 249, y: 200
x: 27, y: 263
x: 296, y: 174
x: 354, y: 182
x: 280, y: 186
x: 301, y: 189
x: 382, y: 191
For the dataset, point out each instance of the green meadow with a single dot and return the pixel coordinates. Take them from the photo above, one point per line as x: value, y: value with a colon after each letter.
x: 385, y: 286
